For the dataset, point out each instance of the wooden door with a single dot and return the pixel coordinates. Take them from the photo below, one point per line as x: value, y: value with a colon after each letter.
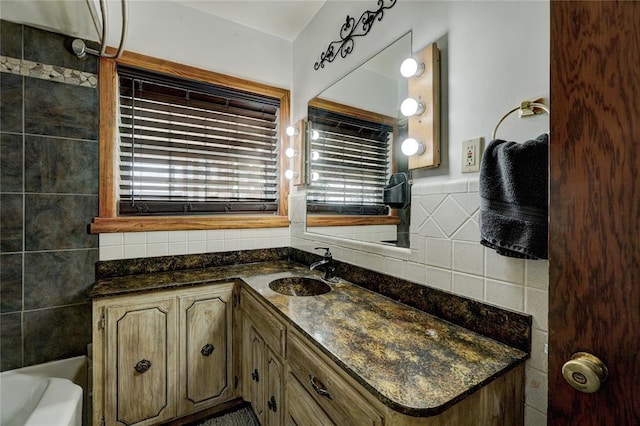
x: 274, y: 394
x: 205, y: 349
x: 594, y: 232
x: 140, y: 363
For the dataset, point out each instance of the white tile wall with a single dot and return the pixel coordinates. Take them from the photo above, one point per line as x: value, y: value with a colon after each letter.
x: 149, y: 244
x: 446, y: 254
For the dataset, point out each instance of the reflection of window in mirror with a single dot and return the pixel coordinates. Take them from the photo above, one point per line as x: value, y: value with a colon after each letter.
x: 352, y: 158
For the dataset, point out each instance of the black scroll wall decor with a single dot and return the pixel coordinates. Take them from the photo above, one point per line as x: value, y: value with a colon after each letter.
x: 350, y: 30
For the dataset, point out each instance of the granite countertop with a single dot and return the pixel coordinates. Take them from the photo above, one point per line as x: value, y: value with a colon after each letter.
x: 413, y: 362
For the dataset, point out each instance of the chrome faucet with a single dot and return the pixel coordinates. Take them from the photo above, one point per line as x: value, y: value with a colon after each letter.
x: 327, y: 259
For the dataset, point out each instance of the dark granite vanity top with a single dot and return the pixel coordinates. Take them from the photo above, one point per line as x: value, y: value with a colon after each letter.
x: 412, y: 361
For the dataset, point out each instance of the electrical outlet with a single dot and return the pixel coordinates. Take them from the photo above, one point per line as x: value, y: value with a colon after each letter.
x: 471, y: 154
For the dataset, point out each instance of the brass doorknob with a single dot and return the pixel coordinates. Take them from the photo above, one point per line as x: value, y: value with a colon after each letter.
x: 585, y: 372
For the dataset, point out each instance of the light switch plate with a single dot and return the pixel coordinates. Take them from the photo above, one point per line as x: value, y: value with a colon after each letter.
x: 471, y: 155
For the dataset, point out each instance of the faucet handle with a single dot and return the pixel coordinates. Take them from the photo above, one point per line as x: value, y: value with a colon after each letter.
x: 327, y: 252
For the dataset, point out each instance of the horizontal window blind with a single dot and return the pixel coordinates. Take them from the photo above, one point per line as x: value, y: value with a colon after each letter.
x: 193, y: 148
x: 353, y: 164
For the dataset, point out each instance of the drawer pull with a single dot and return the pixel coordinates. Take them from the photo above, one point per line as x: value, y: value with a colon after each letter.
x: 255, y: 376
x: 271, y: 403
x: 142, y: 366
x: 207, y: 349
x: 319, y: 387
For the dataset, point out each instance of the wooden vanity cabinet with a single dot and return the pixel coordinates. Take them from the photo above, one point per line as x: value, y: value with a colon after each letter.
x: 162, y: 355
x: 262, y: 368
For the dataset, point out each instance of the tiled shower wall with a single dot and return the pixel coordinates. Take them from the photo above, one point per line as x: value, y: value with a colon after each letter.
x: 48, y: 191
x: 446, y: 254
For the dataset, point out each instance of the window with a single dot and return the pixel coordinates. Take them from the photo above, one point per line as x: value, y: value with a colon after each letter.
x: 184, y: 148
x: 352, y: 159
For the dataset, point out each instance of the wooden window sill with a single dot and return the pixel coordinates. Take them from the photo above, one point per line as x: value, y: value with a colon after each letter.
x: 181, y: 223
x: 342, y: 220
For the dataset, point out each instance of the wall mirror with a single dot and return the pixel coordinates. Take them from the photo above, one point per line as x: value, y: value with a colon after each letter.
x: 354, y: 129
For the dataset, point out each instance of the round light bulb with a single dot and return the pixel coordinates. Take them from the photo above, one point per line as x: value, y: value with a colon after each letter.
x: 410, y: 107
x: 315, y: 176
x: 315, y: 135
x: 291, y: 131
x: 411, y: 68
x: 289, y: 174
x: 315, y: 155
x: 410, y: 147
x: 290, y: 152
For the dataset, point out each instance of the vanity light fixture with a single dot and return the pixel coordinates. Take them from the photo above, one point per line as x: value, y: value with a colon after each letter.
x: 411, y: 147
x: 290, y: 152
x: 315, y: 176
x: 290, y: 174
x: 291, y: 131
x: 410, y: 107
x: 315, y: 155
x: 411, y: 68
x: 315, y: 135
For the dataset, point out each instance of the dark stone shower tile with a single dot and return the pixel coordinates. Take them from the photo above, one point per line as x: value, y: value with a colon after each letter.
x: 61, y: 166
x: 51, y: 48
x: 10, y: 39
x: 11, y: 338
x: 52, y: 334
x: 54, y: 222
x: 10, y: 283
x: 11, y: 215
x: 10, y: 162
x: 11, y: 104
x: 58, y: 278
x: 58, y: 109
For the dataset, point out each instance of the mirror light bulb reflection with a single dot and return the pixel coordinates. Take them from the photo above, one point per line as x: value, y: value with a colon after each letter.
x: 411, y: 147
x: 315, y: 135
x: 315, y: 176
x: 290, y: 131
x: 290, y: 152
x: 410, y: 107
x: 411, y: 68
x: 315, y: 155
x: 289, y: 174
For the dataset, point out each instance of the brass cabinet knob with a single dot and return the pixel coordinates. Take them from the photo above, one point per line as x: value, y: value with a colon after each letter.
x: 585, y: 372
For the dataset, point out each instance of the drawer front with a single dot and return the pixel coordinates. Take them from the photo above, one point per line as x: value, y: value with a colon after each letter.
x: 337, y: 398
x: 302, y: 409
x: 272, y: 331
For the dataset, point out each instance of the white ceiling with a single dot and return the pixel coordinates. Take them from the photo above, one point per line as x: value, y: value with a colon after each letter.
x: 284, y: 19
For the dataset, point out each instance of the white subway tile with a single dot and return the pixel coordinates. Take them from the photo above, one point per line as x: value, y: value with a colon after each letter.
x: 418, y: 250
x: 539, y: 358
x: 112, y: 252
x: 537, y: 274
x: 469, y: 202
x: 232, y: 244
x: 111, y: 239
x: 157, y: 237
x: 177, y: 248
x: 504, y: 268
x: 439, y: 252
x: 468, y: 257
x: 469, y: 231
x: 215, y: 234
x: 133, y: 251
x: 196, y: 236
x: 537, y: 304
x: 195, y: 247
x: 504, y: 294
x: 157, y: 249
x: 474, y: 185
x: 431, y: 230
x: 131, y: 238
x: 248, y: 243
x: 178, y: 237
x: 468, y: 285
x: 393, y: 267
x: 439, y: 278
x: 431, y: 202
x: 214, y: 246
x: 450, y: 216
x: 536, y: 389
x: 416, y: 272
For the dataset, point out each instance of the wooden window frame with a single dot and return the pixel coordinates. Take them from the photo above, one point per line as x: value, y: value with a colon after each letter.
x: 108, y: 219
x: 323, y: 220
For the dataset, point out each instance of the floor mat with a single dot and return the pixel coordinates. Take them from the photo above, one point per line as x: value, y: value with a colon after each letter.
x: 241, y: 417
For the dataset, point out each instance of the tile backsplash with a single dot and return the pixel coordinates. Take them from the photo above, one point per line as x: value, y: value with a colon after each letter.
x: 445, y: 253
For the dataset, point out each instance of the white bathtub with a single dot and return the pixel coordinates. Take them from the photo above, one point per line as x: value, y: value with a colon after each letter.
x: 33, y: 396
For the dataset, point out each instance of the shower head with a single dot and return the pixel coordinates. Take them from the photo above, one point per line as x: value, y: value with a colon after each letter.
x: 79, y: 48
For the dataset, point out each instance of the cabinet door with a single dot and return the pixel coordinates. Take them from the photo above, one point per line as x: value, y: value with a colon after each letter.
x: 205, y: 349
x: 274, y: 391
x: 140, y: 363
x: 253, y: 370
x: 302, y: 409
